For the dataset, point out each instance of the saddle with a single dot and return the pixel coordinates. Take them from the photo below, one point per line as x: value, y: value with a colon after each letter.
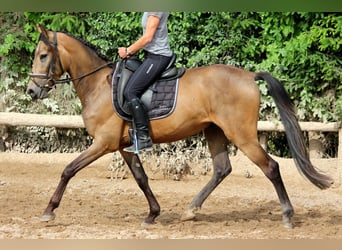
x: 159, y: 99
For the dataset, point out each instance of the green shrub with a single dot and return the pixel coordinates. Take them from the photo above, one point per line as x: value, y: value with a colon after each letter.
x: 302, y: 49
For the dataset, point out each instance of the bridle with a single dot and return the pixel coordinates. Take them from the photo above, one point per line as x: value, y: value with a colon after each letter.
x: 50, y: 82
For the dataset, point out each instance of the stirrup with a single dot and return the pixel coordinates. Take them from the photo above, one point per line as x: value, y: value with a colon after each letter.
x: 143, y: 145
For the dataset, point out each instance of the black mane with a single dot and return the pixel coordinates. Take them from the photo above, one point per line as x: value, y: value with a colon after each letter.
x: 94, y: 48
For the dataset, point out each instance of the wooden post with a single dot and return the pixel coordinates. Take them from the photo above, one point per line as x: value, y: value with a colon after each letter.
x: 339, y: 149
x: 3, y: 137
x: 263, y: 140
x: 57, y: 121
x: 316, y: 148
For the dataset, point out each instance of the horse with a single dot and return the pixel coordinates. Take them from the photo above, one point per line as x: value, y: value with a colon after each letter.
x: 220, y: 100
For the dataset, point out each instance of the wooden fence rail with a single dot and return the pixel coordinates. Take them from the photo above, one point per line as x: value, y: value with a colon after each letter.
x: 74, y: 121
x: 57, y: 121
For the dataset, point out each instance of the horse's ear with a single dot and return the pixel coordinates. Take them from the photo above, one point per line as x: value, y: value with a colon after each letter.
x: 42, y: 30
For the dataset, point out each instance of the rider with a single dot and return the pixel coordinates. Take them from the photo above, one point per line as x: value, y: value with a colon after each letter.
x: 155, y: 44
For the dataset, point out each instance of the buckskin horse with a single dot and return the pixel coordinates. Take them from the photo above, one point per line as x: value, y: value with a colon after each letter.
x: 223, y: 101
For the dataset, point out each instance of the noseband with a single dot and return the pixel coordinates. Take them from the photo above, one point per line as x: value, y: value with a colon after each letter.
x: 50, y: 82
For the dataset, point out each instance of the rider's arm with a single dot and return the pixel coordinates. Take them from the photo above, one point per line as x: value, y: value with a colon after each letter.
x: 151, y: 27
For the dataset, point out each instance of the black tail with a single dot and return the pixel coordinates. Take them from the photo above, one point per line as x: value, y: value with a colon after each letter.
x: 293, y: 132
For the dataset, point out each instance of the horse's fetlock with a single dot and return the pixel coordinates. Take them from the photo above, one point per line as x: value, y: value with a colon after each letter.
x: 54, y: 205
x: 288, y: 213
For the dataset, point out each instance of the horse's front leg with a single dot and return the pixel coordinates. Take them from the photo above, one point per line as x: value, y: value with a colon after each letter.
x: 95, y: 151
x: 141, y: 178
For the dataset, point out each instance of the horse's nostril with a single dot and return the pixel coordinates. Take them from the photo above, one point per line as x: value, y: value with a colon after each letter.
x: 32, y: 93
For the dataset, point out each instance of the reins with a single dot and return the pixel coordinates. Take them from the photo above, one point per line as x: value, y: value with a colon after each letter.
x: 49, y: 76
x: 68, y: 79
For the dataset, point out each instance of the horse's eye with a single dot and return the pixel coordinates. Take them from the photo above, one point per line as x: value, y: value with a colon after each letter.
x: 42, y: 57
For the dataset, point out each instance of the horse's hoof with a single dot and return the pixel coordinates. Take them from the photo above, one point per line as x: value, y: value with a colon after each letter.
x: 188, y: 215
x: 145, y: 224
x: 149, y: 221
x: 47, y: 217
x: 287, y: 223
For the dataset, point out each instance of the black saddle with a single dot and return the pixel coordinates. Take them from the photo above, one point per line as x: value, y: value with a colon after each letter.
x: 159, y: 99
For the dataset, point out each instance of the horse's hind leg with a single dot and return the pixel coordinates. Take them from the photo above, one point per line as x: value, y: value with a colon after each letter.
x: 140, y: 176
x: 217, y: 143
x: 271, y: 169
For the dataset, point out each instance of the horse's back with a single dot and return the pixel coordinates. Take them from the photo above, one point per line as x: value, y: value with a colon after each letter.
x: 218, y: 94
x: 220, y: 85
x: 221, y: 78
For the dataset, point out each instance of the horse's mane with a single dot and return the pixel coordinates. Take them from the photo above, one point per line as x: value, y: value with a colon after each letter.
x: 91, y: 46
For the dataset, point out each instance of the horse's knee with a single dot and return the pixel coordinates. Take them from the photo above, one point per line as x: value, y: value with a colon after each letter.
x: 68, y: 173
x: 223, y: 170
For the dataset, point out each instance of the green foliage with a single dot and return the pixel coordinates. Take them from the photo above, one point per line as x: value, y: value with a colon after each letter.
x: 67, y: 22
x: 109, y: 31
x: 305, y: 50
x: 302, y: 49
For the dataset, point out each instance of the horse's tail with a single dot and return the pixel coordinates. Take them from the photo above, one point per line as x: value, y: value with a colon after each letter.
x: 293, y: 132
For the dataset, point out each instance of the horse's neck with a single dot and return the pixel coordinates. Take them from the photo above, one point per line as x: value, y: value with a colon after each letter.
x: 83, y: 61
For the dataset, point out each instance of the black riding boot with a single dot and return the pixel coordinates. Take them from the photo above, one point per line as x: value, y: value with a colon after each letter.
x: 141, y: 125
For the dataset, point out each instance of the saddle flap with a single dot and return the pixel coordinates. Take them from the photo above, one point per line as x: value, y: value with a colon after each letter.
x: 132, y: 63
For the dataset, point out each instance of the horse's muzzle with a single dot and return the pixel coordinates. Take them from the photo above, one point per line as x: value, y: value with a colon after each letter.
x: 37, y: 92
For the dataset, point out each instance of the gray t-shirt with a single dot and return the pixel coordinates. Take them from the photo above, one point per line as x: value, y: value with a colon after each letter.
x: 160, y: 43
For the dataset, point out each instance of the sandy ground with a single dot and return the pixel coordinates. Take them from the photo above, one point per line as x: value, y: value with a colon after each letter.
x: 96, y: 206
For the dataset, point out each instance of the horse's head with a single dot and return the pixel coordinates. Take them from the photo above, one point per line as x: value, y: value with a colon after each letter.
x: 47, y: 66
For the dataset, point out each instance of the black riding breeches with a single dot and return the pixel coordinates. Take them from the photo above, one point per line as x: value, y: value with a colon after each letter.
x: 147, y: 73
